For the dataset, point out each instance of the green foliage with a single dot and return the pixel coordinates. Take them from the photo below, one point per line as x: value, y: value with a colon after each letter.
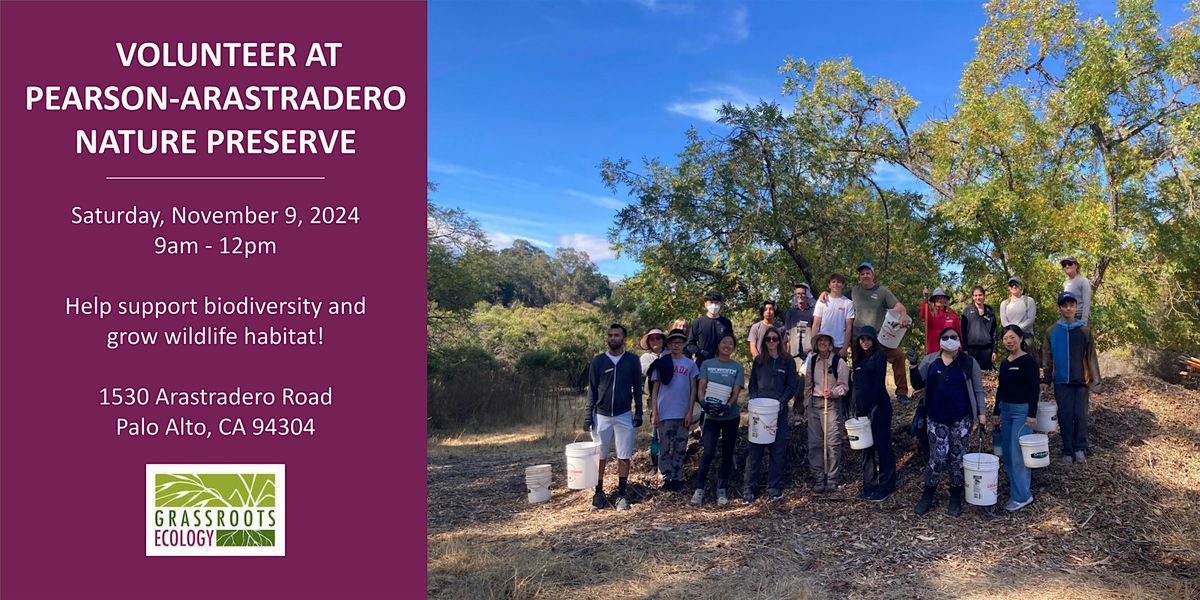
x: 461, y: 264
x: 1069, y: 137
x: 752, y: 212
x: 458, y: 360
x: 530, y: 276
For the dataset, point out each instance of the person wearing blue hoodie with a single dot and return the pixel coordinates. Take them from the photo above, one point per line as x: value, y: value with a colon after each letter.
x: 1070, y: 362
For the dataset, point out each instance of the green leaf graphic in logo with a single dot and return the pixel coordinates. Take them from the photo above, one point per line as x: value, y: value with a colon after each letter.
x: 245, y: 537
x: 187, y: 490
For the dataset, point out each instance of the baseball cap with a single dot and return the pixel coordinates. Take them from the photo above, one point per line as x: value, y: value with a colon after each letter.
x: 1067, y: 260
x: 1064, y: 296
x: 1016, y: 280
x: 864, y: 265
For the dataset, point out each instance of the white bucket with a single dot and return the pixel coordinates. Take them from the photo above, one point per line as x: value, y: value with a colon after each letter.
x: 537, y: 479
x: 891, y: 333
x: 981, y: 473
x: 1035, y: 450
x: 583, y: 465
x: 764, y: 420
x: 1047, y: 417
x: 858, y: 430
x: 718, y: 390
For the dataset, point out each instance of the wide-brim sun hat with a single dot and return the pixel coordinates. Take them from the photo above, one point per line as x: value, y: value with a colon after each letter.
x: 868, y: 331
x: 939, y: 292
x: 817, y: 338
x: 645, y: 343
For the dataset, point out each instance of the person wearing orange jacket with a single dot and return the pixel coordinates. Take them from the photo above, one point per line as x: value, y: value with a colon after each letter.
x: 936, y: 318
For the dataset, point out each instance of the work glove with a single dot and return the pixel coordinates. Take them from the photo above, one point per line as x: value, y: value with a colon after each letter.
x: 637, y: 420
x: 587, y: 423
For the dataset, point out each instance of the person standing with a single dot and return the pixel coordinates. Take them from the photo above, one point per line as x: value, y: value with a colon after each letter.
x: 827, y: 379
x: 1020, y: 310
x: 798, y: 327
x: 834, y: 315
x: 872, y: 301
x: 614, y: 410
x: 1016, y: 413
x: 937, y: 318
x: 772, y: 375
x: 766, y: 313
x: 1070, y: 362
x: 672, y: 416
x: 953, y: 403
x: 979, y: 329
x: 654, y: 342
x: 721, y: 416
x: 871, y: 400
x: 707, y: 329
x: 798, y: 321
x: 1079, y: 286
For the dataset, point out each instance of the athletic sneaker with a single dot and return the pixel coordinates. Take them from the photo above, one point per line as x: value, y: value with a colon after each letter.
x: 1068, y: 459
x: 722, y: 498
x: 1014, y: 505
x: 776, y: 495
x: 698, y: 498
x: 748, y: 498
x: 1079, y: 457
x: 622, y: 503
x: 599, y: 501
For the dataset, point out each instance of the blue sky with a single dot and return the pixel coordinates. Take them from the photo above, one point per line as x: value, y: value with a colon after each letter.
x: 526, y: 98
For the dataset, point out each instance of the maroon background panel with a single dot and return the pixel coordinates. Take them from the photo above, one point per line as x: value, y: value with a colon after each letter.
x: 73, y: 503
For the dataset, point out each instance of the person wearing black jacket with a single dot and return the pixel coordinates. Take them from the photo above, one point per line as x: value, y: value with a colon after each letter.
x: 707, y: 330
x: 979, y: 330
x: 871, y: 400
x: 772, y: 375
x: 1016, y: 413
x: 614, y: 409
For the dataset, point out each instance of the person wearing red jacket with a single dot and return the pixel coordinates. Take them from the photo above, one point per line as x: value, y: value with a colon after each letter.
x: 937, y: 318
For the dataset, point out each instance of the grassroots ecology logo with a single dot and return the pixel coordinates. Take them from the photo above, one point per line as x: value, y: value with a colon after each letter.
x: 214, y: 510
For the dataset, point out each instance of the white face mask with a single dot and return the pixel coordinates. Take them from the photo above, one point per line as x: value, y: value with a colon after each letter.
x: 950, y: 345
x: 714, y: 308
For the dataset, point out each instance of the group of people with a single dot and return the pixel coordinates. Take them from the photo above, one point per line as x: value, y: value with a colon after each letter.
x: 826, y: 359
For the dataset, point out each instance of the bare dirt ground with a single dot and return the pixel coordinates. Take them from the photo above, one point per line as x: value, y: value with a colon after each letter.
x: 1124, y: 525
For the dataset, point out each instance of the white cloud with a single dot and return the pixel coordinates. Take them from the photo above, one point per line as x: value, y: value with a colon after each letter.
x: 673, y: 8
x: 708, y: 109
x: 739, y: 25
x: 596, y: 248
x: 499, y: 240
x: 435, y: 166
x: 601, y: 201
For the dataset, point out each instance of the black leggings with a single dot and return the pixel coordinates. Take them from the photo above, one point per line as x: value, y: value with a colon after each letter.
x: 727, y: 430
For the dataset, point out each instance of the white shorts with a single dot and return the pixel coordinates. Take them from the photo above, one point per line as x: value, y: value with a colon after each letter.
x: 619, y: 427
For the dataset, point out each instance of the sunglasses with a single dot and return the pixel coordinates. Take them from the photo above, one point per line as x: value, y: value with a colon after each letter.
x: 773, y: 339
x: 950, y: 337
x: 1069, y: 264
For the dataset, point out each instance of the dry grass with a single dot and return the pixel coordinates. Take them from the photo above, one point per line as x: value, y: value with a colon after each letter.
x: 1125, y: 525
